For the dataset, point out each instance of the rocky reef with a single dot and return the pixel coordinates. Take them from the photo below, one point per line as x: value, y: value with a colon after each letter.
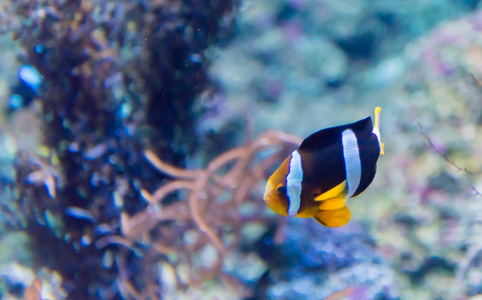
x: 136, y: 170
x: 118, y: 78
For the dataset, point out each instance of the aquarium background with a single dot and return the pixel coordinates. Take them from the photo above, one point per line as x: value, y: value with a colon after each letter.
x: 135, y: 152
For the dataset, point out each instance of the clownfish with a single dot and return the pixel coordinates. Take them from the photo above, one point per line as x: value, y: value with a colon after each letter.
x: 329, y: 167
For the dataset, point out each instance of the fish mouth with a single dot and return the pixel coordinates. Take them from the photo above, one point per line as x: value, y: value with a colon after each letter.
x: 272, y: 200
x: 267, y: 193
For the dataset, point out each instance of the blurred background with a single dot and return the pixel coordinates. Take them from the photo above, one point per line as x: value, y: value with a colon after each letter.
x: 87, y: 86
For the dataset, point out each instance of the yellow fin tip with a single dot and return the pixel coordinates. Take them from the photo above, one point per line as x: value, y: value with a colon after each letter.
x: 376, y: 129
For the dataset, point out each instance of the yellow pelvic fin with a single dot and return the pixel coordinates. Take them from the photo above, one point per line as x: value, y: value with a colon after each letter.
x: 332, y: 193
x: 334, y: 218
x: 332, y: 204
x: 376, y: 129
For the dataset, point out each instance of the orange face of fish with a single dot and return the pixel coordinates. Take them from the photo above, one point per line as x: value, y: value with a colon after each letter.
x: 275, y: 192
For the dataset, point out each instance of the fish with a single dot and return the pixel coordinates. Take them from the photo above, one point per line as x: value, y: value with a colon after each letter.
x: 329, y: 167
x: 31, y: 77
x: 26, y: 89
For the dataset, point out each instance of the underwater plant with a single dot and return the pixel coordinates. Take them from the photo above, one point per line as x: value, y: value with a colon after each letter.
x: 118, y: 77
x: 219, y: 201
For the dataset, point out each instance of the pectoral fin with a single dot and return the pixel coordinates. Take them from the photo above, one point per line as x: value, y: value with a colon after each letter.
x: 333, y: 193
x: 334, y: 218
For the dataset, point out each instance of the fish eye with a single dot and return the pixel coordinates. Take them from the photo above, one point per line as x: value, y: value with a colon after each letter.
x: 280, y: 189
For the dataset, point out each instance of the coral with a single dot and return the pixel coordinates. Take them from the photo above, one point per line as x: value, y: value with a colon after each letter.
x: 420, y: 214
x: 308, y: 57
x: 219, y: 202
x: 469, y: 173
x: 434, y: 175
x: 113, y: 220
x: 118, y: 77
x: 322, y: 261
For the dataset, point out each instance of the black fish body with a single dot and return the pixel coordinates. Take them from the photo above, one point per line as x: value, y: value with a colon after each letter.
x: 329, y: 167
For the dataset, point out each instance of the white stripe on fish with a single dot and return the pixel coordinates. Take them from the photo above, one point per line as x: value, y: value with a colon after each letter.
x: 351, y: 154
x: 293, y: 183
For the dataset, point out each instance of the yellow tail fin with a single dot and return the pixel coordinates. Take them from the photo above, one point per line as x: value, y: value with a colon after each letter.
x: 376, y: 128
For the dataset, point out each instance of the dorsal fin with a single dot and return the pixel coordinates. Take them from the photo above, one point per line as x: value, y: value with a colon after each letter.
x: 332, y: 135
